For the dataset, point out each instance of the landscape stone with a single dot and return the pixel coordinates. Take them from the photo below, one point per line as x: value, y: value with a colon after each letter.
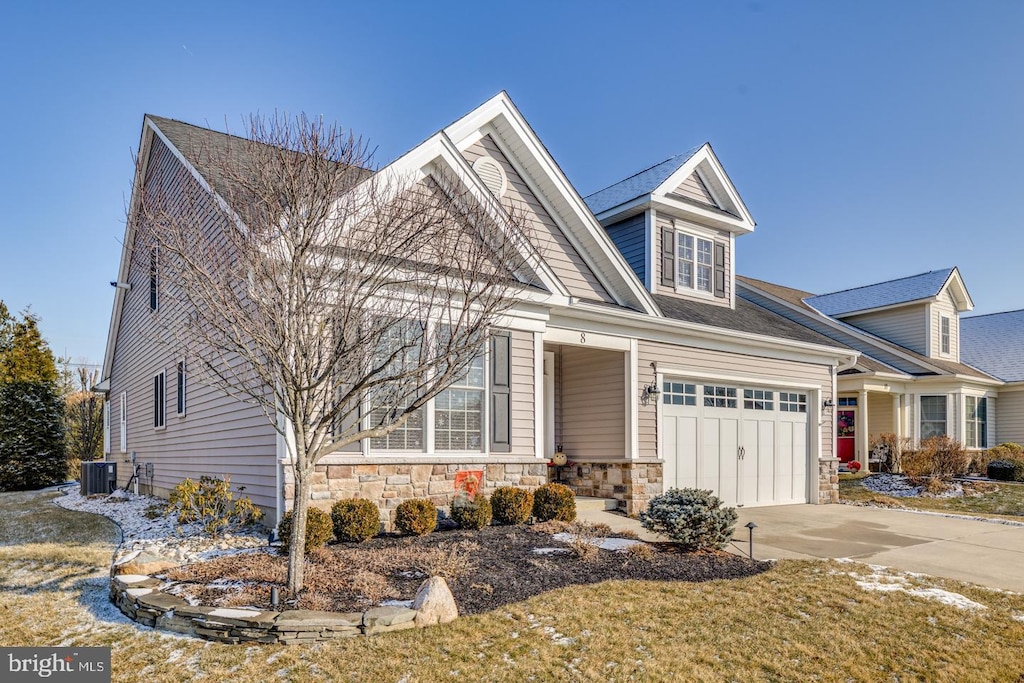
x: 434, y: 603
x: 313, y: 620
x: 388, y: 616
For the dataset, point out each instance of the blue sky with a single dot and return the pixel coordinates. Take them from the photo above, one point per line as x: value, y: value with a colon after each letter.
x: 870, y: 140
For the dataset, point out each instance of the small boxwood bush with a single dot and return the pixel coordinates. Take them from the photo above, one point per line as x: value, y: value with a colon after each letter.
x: 472, y: 514
x: 416, y: 517
x: 554, y: 501
x: 355, y: 520
x: 1007, y: 469
x: 511, y: 505
x: 319, y: 529
x: 693, y: 518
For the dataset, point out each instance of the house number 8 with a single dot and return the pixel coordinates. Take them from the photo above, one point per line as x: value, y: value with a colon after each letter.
x: 583, y: 337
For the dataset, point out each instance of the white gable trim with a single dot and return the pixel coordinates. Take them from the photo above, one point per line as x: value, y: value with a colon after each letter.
x: 867, y: 337
x: 958, y: 290
x: 616, y: 276
x: 713, y: 175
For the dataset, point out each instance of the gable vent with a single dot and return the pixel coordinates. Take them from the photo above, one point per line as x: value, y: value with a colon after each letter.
x: 492, y: 175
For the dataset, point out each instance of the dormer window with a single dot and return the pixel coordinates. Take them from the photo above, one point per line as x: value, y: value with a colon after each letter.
x: 694, y: 262
x: 944, y: 333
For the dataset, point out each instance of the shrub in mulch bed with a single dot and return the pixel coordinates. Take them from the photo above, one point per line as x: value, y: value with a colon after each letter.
x: 416, y: 517
x: 485, y: 569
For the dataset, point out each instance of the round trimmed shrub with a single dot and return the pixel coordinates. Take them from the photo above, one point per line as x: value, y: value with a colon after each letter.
x: 472, y: 514
x: 416, y: 517
x: 554, y: 501
x: 1007, y: 469
x: 355, y: 520
x: 511, y: 505
x: 693, y: 518
x: 319, y: 530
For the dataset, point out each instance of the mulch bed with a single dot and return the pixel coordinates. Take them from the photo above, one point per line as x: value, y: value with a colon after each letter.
x: 485, y: 570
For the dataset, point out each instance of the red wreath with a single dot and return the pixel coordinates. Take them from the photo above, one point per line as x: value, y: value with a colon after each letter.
x: 855, y: 466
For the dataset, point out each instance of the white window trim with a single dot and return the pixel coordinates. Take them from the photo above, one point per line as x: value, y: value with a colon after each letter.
x: 183, y: 379
x: 920, y: 414
x: 163, y: 402
x: 428, y: 425
x: 982, y: 432
x: 694, y: 290
x: 945, y: 337
x: 123, y: 422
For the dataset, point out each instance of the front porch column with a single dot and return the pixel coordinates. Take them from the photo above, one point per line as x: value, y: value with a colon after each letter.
x: 897, y: 414
x: 862, y: 430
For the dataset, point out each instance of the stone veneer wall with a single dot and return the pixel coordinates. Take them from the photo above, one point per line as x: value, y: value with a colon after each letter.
x: 141, y: 599
x: 828, y: 481
x: 631, y: 482
x: 387, y: 484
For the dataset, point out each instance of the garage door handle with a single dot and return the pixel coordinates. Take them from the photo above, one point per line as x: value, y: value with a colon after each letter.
x: 741, y: 452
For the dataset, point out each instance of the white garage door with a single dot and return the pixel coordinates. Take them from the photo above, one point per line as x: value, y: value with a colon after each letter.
x: 747, y: 444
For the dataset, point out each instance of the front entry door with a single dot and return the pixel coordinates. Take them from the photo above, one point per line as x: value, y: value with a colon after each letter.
x: 846, y: 449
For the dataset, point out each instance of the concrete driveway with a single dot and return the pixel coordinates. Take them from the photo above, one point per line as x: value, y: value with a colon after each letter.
x: 981, y: 552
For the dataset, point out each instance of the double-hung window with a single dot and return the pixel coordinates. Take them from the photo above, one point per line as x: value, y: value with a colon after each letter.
x: 944, y: 333
x: 400, y: 349
x: 694, y: 262
x: 976, y: 412
x: 933, y: 416
x: 459, y: 411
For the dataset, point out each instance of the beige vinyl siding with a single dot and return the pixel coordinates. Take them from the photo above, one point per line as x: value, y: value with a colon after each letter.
x: 1010, y: 423
x: 704, y: 233
x: 523, y: 410
x: 906, y: 326
x: 700, y: 362
x: 555, y: 248
x: 945, y: 307
x: 694, y: 189
x: 593, y: 398
x: 219, y: 436
x: 879, y: 415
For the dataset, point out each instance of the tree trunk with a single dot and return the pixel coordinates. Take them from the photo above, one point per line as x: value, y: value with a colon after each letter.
x: 297, y: 545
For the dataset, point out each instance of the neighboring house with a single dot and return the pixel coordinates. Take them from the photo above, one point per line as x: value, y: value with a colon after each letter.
x: 911, y: 379
x: 639, y: 362
x: 995, y: 343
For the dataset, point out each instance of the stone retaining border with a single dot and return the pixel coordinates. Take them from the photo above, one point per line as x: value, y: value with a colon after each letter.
x: 140, y: 599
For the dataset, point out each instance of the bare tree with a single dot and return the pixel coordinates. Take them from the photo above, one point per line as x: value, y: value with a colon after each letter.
x: 83, y: 418
x: 338, y: 299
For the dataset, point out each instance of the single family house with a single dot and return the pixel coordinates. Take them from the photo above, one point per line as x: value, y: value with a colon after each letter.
x: 643, y: 358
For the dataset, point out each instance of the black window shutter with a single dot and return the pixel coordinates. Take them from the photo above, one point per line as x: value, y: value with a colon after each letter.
x: 719, y: 270
x: 501, y: 391
x: 668, y: 257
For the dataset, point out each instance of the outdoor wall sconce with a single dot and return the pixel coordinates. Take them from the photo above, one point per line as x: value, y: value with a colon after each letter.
x: 828, y: 403
x: 121, y: 285
x: 651, y: 390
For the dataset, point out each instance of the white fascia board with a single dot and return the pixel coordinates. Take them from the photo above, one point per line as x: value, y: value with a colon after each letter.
x: 705, y: 157
x: 710, y: 217
x: 964, y: 300
x: 852, y: 330
x: 681, y: 333
x: 500, y: 107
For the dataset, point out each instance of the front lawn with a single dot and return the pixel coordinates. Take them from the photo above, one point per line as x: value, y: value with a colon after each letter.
x: 797, y: 621
x: 980, y: 499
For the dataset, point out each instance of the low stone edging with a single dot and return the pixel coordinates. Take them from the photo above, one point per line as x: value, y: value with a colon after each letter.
x: 140, y: 599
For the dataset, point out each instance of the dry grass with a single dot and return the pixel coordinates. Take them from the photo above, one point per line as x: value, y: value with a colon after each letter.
x: 983, y: 499
x: 799, y: 621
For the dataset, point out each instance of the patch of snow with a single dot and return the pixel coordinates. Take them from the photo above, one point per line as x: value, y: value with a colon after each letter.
x: 397, y: 603
x: 609, y: 543
x: 1018, y: 617
x: 550, y: 551
x: 234, y: 613
x: 883, y: 580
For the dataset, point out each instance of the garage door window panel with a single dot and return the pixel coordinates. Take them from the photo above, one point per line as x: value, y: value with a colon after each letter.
x: 792, y: 403
x: 679, y: 394
x: 758, y: 399
x: 719, y: 397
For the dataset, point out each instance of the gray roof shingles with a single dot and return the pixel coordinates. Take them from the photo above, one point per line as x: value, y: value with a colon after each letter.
x: 636, y: 185
x: 891, y: 293
x: 746, y: 317
x: 994, y: 343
